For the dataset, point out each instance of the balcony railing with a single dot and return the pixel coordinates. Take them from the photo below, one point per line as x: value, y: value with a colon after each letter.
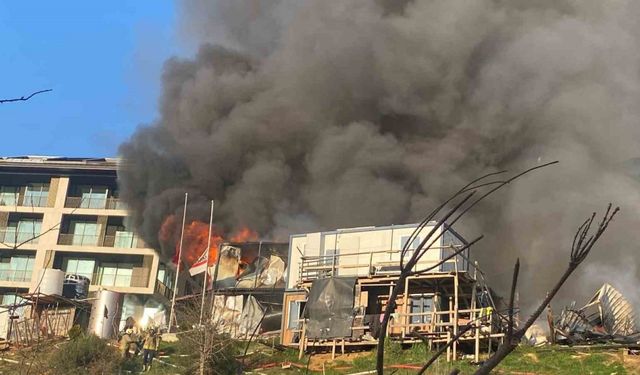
x: 118, y: 241
x: 24, y: 200
x: 95, y: 203
x: 114, y: 280
x: 79, y: 239
x: 10, y: 236
x: 13, y: 275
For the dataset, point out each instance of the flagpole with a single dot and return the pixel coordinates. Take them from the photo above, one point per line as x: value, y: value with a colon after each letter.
x: 172, y: 314
x: 206, y: 269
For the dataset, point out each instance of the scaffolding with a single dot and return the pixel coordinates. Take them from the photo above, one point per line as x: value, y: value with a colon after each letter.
x: 432, y: 309
x: 45, y: 317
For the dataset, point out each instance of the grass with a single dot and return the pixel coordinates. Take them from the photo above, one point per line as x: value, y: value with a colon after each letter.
x: 526, y: 360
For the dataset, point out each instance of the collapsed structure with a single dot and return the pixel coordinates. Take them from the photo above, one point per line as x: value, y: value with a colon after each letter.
x: 248, y: 288
x: 607, y: 317
x: 339, y: 282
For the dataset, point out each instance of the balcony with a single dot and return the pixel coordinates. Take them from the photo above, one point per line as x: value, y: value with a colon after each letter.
x: 100, y: 203
x: 10, y: 236
x: 24, y: 200
x: 122, y: 240
x: 13, y: 275
x: 115, y: 279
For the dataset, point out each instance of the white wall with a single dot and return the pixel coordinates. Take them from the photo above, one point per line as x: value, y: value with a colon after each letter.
x: 358, y: 247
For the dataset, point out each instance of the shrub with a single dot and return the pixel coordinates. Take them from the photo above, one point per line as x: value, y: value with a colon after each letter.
x: 86, y: 354
x: 75, y: 332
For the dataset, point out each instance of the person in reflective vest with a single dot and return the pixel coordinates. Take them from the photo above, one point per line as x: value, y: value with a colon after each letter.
x: 151, y: 343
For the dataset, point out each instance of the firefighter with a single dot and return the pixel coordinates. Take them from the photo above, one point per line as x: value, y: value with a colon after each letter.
x: 151, y: 343
x: 125, y: 342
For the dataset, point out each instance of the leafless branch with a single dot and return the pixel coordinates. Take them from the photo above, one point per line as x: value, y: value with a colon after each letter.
x: 463, y: 206
x: 514, y: 283
x: 24, y: 98
x: 579, y: 252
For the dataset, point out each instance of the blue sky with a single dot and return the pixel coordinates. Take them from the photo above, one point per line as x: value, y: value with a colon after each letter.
x: 103, y: 61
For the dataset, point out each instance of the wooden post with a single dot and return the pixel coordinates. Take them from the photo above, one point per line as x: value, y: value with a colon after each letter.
x: 455, y: 311
x: 301, y: 347
x: 448, y: 347
x: 391, y: 285
x: 449, y: 330
x: 405, y: 319
x: 474, y: 315
x: 333, y: 350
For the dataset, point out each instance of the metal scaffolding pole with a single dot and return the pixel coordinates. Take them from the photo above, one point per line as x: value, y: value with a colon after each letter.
x: 172, y: 314
x: 206, y: 270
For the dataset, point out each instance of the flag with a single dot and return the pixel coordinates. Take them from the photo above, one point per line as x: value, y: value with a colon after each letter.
x: 200, y: 265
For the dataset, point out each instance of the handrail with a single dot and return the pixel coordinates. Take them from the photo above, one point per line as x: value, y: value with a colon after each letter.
x: 390, y: 251
x: 99, y: 203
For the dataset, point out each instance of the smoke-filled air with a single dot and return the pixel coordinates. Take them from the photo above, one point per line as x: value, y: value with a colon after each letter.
x: 305, y: 116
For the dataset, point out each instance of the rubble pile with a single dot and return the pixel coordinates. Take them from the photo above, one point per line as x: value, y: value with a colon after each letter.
x: 607, y: 318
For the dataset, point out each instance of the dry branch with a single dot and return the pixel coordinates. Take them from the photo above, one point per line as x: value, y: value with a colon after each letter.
x: 24, y: 98
x: 460, y: 208
x: 579, y: 252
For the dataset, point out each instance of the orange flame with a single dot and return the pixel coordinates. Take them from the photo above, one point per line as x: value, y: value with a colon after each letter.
x: 195, y: 239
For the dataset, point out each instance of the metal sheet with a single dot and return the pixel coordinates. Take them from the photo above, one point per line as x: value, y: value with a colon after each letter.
x: 330, y: 308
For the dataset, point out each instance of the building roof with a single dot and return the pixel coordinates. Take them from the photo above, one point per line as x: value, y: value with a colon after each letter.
x: 57, y: 164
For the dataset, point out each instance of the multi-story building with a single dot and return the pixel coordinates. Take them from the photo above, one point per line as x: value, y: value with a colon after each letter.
x: 64, y: 213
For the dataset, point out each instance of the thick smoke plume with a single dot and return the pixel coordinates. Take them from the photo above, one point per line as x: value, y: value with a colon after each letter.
x: 302, y: 116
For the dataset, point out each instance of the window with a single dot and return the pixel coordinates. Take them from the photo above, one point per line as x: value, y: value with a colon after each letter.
x: 124, y: 239
x: 8, y: 195
x: 294, y: 315
x: 85, y: 233
x: 420, y: 305
x: 10, y: 299
x: 116, y: 274
x: 22, y: 231
x: 36, y: 195
x: 93, y: 196
x: 83, y: 267
x: 16, y: 268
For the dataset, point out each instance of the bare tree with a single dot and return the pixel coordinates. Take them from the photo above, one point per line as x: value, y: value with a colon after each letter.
x: 214, y: 349
x: 580, y: 249
x: 24, y: 98
x: 462, y: 201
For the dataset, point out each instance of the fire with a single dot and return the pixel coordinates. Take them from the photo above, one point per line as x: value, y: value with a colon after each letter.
x: 196, y: 236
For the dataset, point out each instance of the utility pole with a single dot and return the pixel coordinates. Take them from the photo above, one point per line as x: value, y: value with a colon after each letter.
x: 172, y: 314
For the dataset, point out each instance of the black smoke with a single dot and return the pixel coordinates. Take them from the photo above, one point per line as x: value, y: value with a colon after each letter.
x: 303, y: 116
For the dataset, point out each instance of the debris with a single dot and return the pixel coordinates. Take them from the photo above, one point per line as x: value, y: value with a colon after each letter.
x: 536, y: 335
x: 607, y: 317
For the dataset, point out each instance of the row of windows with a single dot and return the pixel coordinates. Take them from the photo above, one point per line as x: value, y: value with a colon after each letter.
x: 20, y: 268
x: 37, y: 195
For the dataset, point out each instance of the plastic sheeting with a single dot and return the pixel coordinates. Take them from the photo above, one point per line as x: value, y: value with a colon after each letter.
x: 330, y: 308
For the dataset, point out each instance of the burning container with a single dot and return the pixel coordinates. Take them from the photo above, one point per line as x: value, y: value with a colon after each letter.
x: 105, y: 314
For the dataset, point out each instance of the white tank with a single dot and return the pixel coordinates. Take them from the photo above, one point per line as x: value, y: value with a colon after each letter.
x: 105, y: 314
x: 52, y: 281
